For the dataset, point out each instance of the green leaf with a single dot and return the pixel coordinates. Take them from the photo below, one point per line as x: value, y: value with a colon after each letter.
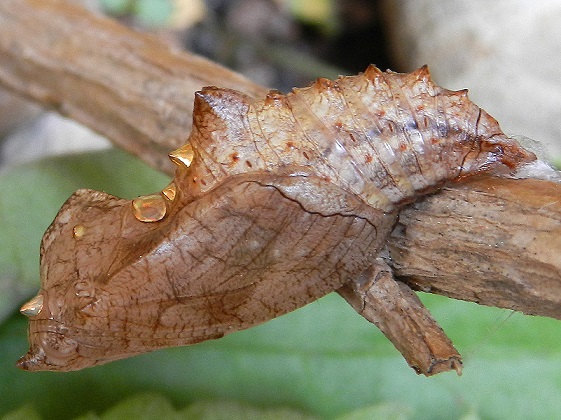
x: 386, y: 411
x: 33, y: 193
x: 154, y: 406
x: 231, y: 410
x: 323, y: 359
x: 139, y: 407
x: 27, y: 412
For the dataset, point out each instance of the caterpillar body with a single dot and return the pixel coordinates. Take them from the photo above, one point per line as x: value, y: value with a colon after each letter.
x: 384, y: 137
x: 275, y: 203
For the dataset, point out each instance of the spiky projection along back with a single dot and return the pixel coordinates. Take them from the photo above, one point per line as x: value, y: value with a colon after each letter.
x: 382, y: 136
x: 275, y: 203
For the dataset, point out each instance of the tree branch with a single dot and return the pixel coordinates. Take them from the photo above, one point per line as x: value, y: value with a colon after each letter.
x: 490, y: 240
x: 493, y: 241
x: 130, y: 87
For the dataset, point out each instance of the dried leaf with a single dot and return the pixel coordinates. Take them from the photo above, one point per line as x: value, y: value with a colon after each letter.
x: 274, y: 204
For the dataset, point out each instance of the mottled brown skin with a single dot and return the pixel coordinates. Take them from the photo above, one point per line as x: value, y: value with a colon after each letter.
x: 286, y: 200
x: 225, y: 262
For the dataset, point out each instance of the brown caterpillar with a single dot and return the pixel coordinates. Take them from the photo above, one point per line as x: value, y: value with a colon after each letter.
x: 274, y: 204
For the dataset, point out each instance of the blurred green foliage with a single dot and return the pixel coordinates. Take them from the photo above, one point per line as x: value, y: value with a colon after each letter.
x: 322, y: 361
x: 148, y: 12
x: 31, y: 196
x: 319, y: 13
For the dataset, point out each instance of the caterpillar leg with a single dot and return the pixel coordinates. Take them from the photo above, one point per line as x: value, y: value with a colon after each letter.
x: 397, y: 311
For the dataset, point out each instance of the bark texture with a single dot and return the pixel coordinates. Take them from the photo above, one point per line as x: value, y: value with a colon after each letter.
x: 493, y: 241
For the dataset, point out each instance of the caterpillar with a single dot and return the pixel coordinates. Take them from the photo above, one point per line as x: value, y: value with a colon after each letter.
x: 275, y: 203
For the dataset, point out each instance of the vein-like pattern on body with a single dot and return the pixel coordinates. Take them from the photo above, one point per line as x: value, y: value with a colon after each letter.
x: 385, y: 137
